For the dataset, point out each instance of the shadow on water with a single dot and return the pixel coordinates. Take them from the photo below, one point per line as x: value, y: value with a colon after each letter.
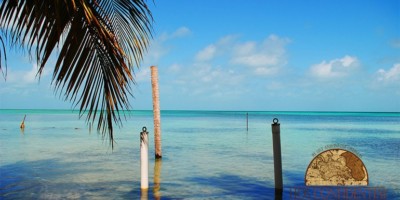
x: 233, y: 186
x: 297, y: 190
x: 390, y: 147
x: 51, y: 179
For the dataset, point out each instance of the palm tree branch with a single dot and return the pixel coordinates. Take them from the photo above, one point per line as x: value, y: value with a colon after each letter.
x: 100, y: 42
x: 3, y: 51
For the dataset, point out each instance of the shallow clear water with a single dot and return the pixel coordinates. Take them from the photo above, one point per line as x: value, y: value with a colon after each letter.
x: 206, y: 154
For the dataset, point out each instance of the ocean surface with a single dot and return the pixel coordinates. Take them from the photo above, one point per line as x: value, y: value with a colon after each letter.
x: 206, y: 154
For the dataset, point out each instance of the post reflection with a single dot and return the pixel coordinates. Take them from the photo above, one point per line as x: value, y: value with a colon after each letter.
x: 157, y: 179
x: 144, y: 194
x: 278, y: 194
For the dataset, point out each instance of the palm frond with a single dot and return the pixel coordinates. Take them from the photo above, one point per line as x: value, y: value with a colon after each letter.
x: 99, y: 41
x: 3, y: 56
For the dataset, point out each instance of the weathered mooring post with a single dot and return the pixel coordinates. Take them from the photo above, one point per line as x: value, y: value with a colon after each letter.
x: 156, y: 112
x: 276, y: 142
x: 144, y: 160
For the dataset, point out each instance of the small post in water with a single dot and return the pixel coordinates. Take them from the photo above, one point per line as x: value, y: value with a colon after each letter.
x: 22, y: 126
x: 276, y: 142
x: 247, y: 121
x: 144, y: 159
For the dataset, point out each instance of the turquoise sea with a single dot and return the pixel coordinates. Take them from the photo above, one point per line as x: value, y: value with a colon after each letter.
x: 206, y: 154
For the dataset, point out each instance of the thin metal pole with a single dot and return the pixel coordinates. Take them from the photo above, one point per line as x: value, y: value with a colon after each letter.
x: 144, y: 159
x: 276, y: 142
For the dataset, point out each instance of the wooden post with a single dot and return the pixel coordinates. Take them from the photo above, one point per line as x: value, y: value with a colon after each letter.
x: 144, y: 160
x: 22, y: 126
x: 247, y: 121
x: 276, y: 142
x: 156, y: 112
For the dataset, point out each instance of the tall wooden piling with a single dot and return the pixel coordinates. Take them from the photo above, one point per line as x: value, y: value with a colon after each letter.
x: 156, y: 112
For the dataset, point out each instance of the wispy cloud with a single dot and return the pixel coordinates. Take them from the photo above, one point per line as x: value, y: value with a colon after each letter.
x: 178, y: 33
x: 175, y: 68
x: 336, y: 68
x: 181, y: 32
x: 24, y: 83
x: 389, y: 76
x: 230, y: 68
x: 143, y: 75
x: 27, y: 76
x: 222, y: 47
x: 263, y: 58
x: 207, y: 53
x: 23, y: 77
x: 227, y: 66
x: 206, y: 79
x: 387, y: 80
x: 158, y: 50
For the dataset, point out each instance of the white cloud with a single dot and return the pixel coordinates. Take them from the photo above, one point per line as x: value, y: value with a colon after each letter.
x: 262, y: 58
x: 158, y: 47
x: 222, y: 67
x: 143, y: 74
x: 30, y: 76
x: 22, y: 83
x: 335, y: 68
x: 23, y: 77
x: 156, y: 51
x: 222, y: 47
x: 203, y: 78
x: 181, y: 32
x: 245, y: 48
x: 391, y: 75
x: 265, y: 58
x: 207, y: 53
x: 174, y: 68
x: 178, y: 33
x: 227, y: 40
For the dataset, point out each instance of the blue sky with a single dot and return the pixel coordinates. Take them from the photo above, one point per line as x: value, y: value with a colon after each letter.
x: 315, y: 55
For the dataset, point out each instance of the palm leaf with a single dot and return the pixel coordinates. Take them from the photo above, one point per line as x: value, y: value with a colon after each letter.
x: 3, y: 56
x: 99, y: 43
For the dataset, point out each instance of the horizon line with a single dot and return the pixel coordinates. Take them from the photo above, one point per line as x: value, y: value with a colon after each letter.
x: 206, y: 110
